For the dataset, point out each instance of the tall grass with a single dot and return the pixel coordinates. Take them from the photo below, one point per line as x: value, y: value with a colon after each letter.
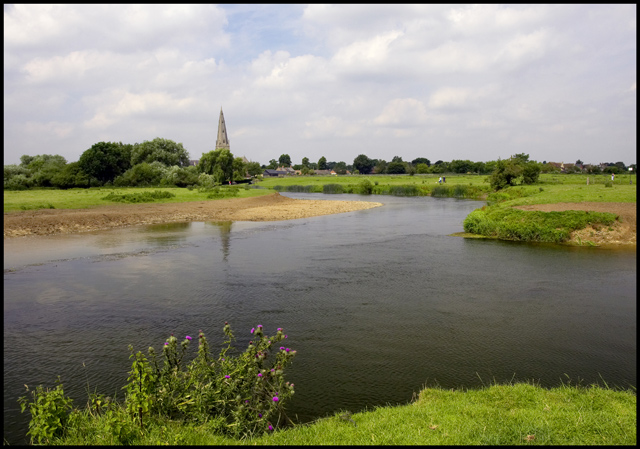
x: 506, y: 223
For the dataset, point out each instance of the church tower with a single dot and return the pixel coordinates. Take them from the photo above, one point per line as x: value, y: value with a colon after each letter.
x: 223, y: 140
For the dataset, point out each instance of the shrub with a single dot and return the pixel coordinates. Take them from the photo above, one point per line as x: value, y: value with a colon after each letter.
x: 333, y: 188
x: 49, y: 412
x: 365, y: 187
x: 139, y: 197
x: 245, y: 393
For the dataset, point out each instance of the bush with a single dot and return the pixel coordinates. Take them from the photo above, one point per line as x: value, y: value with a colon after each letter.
x: 244, y: 393
x: 333, y: 188
x: 139, y: 197
x: 365, y: 187
x: 49, y: 412
x: 221, y: 192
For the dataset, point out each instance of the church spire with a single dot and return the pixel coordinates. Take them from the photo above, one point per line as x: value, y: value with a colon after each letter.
x: 223, y: 140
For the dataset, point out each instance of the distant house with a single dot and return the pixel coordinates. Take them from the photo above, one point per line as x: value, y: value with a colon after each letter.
x: 193, y: 162
x: 287, y: 170
x: 268, y: 172
x: 322, y: 172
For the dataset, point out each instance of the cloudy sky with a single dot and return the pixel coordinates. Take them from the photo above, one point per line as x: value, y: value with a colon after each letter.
x: 443, y: 82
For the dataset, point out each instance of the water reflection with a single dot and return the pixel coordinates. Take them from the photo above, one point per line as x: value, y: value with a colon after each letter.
x: 225, y: 235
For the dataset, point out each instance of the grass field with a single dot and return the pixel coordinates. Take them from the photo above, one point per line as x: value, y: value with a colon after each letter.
x: 517, y: 414
x: 551, y: 189
x: 16, y: 200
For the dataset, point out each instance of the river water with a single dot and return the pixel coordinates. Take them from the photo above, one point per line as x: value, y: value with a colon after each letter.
x: 378, y: 303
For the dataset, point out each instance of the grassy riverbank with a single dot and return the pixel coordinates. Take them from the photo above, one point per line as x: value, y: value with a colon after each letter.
x: 499, y: 219
x: 515, y: 414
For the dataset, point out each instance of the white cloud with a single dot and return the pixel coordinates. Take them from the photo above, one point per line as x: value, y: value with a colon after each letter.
x: 323, y: 79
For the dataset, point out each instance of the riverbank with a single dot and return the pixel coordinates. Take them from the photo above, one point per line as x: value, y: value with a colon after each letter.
x: 516, y: 414
x: 273, y: 207
x: 622, y: 232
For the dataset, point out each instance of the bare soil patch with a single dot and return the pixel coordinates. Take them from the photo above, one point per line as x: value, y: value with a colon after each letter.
x: 623, y: 232
x: 264, y: 208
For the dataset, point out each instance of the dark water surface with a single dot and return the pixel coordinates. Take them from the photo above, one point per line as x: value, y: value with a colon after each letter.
x: 377, y: 303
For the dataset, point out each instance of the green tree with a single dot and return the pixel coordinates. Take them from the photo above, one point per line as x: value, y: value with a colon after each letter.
x: 273, y: 164
x: 218, y: 163
x: 105, y: 160
x: 70, y: 176
x: 380, y: 166
x: 506, y: 173
x: 254, y: 169
x: 420, y: 160
x: 17, y: 177
x: 305, y: 162
x: 322, y: 163
x: 363, y: 164
x: 422, y: 168
x: 143, y: 175
x: 239, y: 169
x: 396, y: 168
x: 43, y: 168
x: 531, y: 172
x: 161, y: 150
x: 285, y: 160
x: 460, y: 166
x: 340, y: 167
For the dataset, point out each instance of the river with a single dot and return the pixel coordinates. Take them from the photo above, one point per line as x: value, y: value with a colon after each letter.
x: 378, y: 303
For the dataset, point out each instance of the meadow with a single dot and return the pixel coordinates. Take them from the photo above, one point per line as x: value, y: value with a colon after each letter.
x: 551, y: 188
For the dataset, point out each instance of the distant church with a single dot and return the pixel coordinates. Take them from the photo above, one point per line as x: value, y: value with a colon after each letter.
x: 223, y: 140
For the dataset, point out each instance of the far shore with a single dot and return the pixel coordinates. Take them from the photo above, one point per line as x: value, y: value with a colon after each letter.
x: 274, y: 207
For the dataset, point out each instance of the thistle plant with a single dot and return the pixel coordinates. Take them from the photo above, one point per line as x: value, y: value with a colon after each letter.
x: 242, y: 395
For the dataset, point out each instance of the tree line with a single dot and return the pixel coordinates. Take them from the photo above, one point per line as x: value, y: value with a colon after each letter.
x: 163, y: 162
x: 159, y: 162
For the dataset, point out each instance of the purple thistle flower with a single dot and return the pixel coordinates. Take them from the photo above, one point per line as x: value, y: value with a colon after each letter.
x: 228, y: 376
x: 188, y: 338
x: 282, y: 348
x: 166, y: 343
x: 288, y: 349
x: 259, y: 374
x: 275, y: 399
x: 270, y: 427
x: 253, y: 329
x: 259, y: 415
x: 279, y: 329
x: 260, y: 326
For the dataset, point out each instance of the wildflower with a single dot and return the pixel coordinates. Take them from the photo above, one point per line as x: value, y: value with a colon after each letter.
x: 270, y: 427
x: 227, y: 376
x: 276, y: 399
x: 282, y: 348
x: 188, y: 338
x: 166, y: 343
x: 279, y: 329
x: 259, y: 415
x: 259, y: 374
x: 288, y: 349
x: 253, y: 329
x: 260, y: 326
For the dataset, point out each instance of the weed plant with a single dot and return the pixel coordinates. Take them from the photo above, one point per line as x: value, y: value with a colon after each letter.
x: 236, y: 396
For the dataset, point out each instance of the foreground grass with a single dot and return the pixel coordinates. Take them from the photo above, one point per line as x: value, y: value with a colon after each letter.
x: 515, y: 414
x: 17, y: 200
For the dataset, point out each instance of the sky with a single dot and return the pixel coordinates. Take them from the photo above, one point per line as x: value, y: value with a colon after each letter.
x: 444, y: 82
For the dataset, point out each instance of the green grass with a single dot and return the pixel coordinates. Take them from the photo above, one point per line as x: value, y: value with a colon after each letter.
x: 493, y: 415
x: 16, y: 200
